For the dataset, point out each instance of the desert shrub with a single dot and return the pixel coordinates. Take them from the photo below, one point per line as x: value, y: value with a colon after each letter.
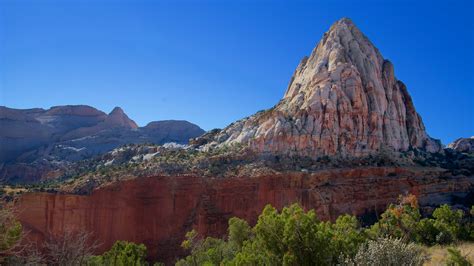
x: 239, y: 231
x: 294, y: 236
x: 399, y: 220
x: 455, y: 258
x: 122, y: 253
x: 387, y: 252
x: 11, y: 232
x: 348, y: 235
x: 403, y: 220
x: 427, y: 232
x: 448, y: 220
x: 445, y: 227
x: 208, y: 251
x: 290, y: 237
x: 69, y: 248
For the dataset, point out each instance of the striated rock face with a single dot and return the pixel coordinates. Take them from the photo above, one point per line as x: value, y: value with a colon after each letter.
x: 463, y: 145
x: 158, y: 211
x: 28, y: 129
x: 343, y: 100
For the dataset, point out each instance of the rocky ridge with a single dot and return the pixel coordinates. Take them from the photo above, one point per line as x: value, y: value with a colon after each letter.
x: 463, y: 145
x: 38, y: 144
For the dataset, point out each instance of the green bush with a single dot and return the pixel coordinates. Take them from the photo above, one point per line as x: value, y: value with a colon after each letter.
x: 11, y: 231
x: 122, y: 253
x: 398, y: 221
x: 294, y: 236
x: 403, y: 220
x: 210, y: 251
x: 428, y: 233
x: 239, y: 231
x: 445, y: 227
x: 289, y: 237
x: 448, y: 221
x: 348, y: 235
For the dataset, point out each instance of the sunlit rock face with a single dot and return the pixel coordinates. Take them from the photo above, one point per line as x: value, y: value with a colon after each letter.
x: 463, y: 145
x: 158, y: 211
x: 342, y: 100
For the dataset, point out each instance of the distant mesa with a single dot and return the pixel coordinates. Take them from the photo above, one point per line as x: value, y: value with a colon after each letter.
x: 31, y: 137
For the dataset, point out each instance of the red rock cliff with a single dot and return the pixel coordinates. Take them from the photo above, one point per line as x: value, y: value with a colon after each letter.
x: 158, y: 211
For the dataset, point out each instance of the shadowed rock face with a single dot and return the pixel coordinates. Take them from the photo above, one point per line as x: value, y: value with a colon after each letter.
x: 342, y: 100
x: 158, y: 211
x: 36, y: 143
x: 24, y: 130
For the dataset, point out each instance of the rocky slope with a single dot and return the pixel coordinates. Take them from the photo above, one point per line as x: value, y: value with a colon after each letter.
x: 38, y: 144
x: 342, y: 100
x: 463, y: 145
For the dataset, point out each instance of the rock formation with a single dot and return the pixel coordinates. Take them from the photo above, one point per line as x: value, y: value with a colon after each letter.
x: 463, y: 145
x: 158, y: 211
x: 36, y: 144
x: 342, y: 100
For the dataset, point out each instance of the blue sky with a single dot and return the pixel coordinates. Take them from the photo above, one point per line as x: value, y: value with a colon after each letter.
x: 212, y: 62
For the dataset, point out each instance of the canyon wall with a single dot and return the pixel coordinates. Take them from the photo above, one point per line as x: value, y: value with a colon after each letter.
x: 158, y: 211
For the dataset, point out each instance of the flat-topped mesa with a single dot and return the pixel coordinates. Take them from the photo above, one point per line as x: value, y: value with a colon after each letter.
x: 342, y: 100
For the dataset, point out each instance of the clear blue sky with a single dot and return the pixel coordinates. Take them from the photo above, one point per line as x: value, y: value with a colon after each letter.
x: 214, y: 62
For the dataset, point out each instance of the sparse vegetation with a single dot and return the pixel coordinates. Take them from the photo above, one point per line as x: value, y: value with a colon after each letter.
x: 387, y: 251
x: 291, y: 236
x: 455, y: 258
x: 296, y: 237
x: 69, y: 248
x: 122, y: 253
x: 138, y: 160
x: 11, y: 233
x: 439, y: 255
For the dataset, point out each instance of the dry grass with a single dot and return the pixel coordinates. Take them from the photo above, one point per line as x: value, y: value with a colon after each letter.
x: 438, y: 254
x: 12, y: 190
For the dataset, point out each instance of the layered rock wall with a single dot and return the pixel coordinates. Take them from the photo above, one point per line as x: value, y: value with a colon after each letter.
x: 158, y: 211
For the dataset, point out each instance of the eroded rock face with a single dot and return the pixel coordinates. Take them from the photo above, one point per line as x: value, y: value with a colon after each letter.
x: 158, y: 211
x: 463, y: 145
x: 343, y: 99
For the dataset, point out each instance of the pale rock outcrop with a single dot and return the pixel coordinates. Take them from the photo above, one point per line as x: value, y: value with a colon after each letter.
x: 463, y: 145
x: 342, y: 100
